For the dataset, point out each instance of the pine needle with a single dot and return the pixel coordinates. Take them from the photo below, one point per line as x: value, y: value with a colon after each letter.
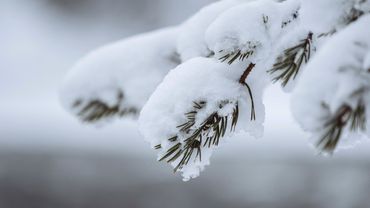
x: 212, y: 129
x: 288, y: 65
x: 334, y: 127
x: 96, y: 110
x: 237, y: 55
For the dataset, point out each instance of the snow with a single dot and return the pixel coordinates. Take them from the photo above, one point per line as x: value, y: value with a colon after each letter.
x: 321, y: 16
x: 191, y: 42
x: 174, y: 97
x: 342, y: 57
x: 255, y: 24
x: 139, y: 62
x: 189, y: 56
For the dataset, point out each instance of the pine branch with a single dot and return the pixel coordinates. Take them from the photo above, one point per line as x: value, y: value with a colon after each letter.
x: 287, y: 66
x: 210, y: 132
x: 242, y: 81
x: 358, y: 118
x: 96, y: 110
x: 355, y: 118
x: 206, y: 135
x: 240, y: 55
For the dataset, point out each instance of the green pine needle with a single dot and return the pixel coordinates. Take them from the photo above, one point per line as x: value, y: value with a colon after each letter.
x: 96, y: 110
x: 206, y: 135
x: 240, y: 55
x: 334, y: 127
x: 287, y: 66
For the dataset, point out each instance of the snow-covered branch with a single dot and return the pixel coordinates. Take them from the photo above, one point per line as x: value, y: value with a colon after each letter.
x: 201, y: 82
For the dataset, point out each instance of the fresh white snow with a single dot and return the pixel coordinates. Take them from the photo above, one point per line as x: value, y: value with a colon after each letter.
x: 203, y: 59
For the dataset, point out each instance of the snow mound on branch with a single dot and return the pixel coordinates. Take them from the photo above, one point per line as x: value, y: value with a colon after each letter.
x: 323, y: 16
x: 331, y: 78
x: 273, y: 36
x: 114, y: 73
x: 251, y: 26
x: 197, y: 80
x: 191, y: 42
x: 291, y: 39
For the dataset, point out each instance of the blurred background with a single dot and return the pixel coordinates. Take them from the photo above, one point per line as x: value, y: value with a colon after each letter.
x: 48, y: 159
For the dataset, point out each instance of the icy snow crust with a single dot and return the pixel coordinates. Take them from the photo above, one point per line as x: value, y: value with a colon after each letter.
x: 176, y: 67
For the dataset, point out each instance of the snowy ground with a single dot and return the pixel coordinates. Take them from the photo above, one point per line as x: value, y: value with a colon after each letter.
x: 49, y: 159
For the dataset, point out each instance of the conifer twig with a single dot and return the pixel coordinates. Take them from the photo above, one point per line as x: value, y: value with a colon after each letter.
x: 242, y: 81
x: 287, y: 66
x: 238, y: 55
x: 96, y: 110
x: 209, y: 132
x: 206, y: 135
x: 333, y: 128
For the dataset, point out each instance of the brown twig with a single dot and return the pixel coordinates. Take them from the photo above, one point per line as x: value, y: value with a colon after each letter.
x: 242, y: 81
x: 246, y: 73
